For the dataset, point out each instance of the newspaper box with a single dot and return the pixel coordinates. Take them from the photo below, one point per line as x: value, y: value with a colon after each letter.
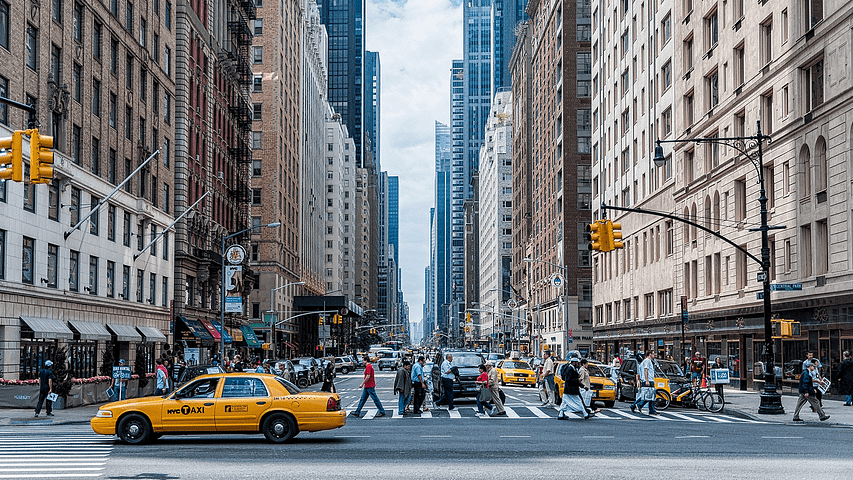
x: 719, y: 376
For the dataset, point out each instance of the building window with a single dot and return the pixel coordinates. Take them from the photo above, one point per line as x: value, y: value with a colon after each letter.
x: 740, y: 66
x: 28, y: 260
x: 740, y: 200
x: 257, y: 112
x: 712, y: 86
x: 257, y: 140
x: 95, y: 218
x: 74, y: 271
x: 96, y: 97
x: 166, y: 245
x: 4, y: 109
x: 97, y: 38
x: 76, y: 144
x: 258, y: 83
x: 820, y: 170
x: 666, y: 29
x: 711, y: 29
x: 168, y: 15
x: 666, y: 122
x: 93, y: 275
x: 126, y: 232
x: 113, y: 56
x: 76, y: 83
x: 111, y: 223
x: 813, y: 83
x: 257, y: 171
x: 152, y: 288
x: 767, y: 42
x: 113, y: 110
x: 32, y: 47
x: 164, y: 297
x: 125, y: 282
x: 666, y: 75
x: 52, y: 265
x: 767, y: 112
x: 258, y: 26
x: 111, y: 279
x: 257, y: 54
x: 140, y: 286
x: 4, y: 24
x: 256, y: 196
x: 814, y: 13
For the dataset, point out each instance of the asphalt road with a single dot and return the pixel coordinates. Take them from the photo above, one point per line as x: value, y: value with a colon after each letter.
x: 614, y: 445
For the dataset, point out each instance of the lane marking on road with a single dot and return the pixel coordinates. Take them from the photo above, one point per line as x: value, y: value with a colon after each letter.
x: 694, y: 436
x: 454, y: 413
x: 598, y: 436
x: 510, y: 413
x: 784, y: 438
x: 436, y: 436
x: 539, y: 413
x: 516, y: 436
x: 352, y: 436
x: 683, y: 417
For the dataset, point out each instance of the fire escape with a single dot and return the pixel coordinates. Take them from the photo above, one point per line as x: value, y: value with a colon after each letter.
x: 239, y: 190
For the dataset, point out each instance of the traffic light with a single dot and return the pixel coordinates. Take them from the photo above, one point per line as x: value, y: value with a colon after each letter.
x: 11, y: 158
x: 373, y: 331
x: 785, y: 329
x: 265, y: 346
x: 41, y: 157
x: 336, y: 319
x: 593, y: 235
x: 614, y: 235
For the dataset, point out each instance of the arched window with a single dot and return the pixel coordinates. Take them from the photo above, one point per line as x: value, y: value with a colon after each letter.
x: 715, y: 214
x: 708, y: 217
x: 694, y: 218
x: 805, y: 172
x: 820, y: 168
x: 686, y: 227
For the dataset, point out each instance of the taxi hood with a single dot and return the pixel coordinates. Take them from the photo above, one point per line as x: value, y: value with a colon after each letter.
x: 132, y: 402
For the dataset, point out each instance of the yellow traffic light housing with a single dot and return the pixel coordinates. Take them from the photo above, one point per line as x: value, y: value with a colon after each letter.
x: 265, y: 346
x: 321, y: 320
x: 593, y: 235
x: 12, y: 158
x: 41, y: 157
x: 614, y: 234
x: 402, y: 328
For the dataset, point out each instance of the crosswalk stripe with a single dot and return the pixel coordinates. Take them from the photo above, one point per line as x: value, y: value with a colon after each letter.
x: 426, y: 415
x: 539, y: 413
x: 455, y: 413
x: 370, y: 414
x: 683, y: 417
x: 627, y: 415
x: 511, y: 413
x: 716, y: 419
x: 735, y: 419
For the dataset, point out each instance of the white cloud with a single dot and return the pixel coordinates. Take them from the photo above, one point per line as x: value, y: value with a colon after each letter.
x: 417, y: 41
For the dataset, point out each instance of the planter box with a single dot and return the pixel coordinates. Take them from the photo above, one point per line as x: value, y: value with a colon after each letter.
x: 74, y: 397
x: 19, y: 396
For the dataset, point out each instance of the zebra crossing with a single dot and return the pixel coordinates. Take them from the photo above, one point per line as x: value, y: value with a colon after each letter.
x: 529, y: 412
x: 42, y: 452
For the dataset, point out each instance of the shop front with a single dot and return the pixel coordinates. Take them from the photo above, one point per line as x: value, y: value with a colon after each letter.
x: 193, y: 341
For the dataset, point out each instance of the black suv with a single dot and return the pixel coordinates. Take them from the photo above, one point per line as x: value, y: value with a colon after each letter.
x: 467, y: 363
x: 626, y: 388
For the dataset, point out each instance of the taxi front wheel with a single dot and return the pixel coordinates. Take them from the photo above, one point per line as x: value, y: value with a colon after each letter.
x: 278, y: 428
x: 134, y: 429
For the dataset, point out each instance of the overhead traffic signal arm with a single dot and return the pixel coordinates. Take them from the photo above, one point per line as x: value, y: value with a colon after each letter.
x: 12, y: 159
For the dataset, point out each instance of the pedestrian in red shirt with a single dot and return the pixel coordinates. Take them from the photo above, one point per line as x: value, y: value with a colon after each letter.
x: 369, y: 389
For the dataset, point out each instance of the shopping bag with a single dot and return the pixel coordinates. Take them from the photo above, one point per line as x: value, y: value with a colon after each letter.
x: 485, y: 395
x: 587, y: 397
x: 649, y: 394
x: 52, y: 397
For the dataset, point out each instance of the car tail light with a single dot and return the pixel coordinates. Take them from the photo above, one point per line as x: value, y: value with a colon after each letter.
x: 333, y: 405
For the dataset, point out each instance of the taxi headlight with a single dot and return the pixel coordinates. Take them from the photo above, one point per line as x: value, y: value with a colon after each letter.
x: 104, y: 414
x: 610, y: 387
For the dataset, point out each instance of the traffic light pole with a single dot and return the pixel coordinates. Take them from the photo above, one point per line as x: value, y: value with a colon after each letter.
x: 32, y: 118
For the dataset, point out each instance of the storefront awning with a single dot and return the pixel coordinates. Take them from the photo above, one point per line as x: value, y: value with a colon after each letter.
x: 152, y: 334
x: 250, y: 337
x: 90, y: 330
x: 218, y: 328
x: 48, y: 328
x: 193, y: 331
x: 124, y: 333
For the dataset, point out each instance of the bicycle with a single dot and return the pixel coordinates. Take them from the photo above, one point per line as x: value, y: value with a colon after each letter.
x: 703, y: 399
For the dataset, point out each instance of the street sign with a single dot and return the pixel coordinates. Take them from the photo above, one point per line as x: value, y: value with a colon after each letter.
x: 761, y: 277
x: 785, y: 287
x: 557, y: 281
x: 121, y: 373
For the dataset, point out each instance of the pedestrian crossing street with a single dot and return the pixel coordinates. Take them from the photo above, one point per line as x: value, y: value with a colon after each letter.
x: 529, y: 412
x: 43, y: 452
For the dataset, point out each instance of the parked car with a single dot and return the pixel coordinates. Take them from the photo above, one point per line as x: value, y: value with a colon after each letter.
x: 390, y: 360
x: 344, y: 365
x: 467, y: 363
x: 313, y: 366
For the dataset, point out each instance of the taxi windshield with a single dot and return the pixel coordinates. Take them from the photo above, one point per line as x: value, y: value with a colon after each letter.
x: 467, y: 361
x: 291, y: 388
x: 669, y: 368
x: 594, y: 371
x: 516, y: 365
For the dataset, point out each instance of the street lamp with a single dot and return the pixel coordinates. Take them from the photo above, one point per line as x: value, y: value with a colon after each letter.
x: 771, y: 400
x: 222, y: 289
x: 272, y: 308
x: 565, y: 303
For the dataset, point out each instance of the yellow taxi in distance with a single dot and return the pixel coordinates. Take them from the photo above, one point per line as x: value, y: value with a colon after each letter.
x: 603, y: 389
x: 223, y: 403
x: 516, y: 372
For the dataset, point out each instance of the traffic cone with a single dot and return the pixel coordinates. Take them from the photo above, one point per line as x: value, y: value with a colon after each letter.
x: 704, y: 384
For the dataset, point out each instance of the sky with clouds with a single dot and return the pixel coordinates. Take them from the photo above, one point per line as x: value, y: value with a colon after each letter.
x: 417, y: 40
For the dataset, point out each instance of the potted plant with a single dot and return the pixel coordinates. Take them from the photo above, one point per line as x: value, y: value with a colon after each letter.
x: 62, y: 380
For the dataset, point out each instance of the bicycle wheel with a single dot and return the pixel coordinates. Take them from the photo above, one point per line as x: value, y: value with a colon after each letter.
x: 662, y: 400
x: 714, y: 402
x: 701, y: 396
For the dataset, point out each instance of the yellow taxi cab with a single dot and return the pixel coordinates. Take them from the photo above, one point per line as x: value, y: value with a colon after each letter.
x: 243, y: 403
x: 603, y: 389
x: 516, y: 372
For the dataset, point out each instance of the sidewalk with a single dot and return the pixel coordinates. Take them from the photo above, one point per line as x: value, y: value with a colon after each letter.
x: 68, y: 416
x: 746, y: 403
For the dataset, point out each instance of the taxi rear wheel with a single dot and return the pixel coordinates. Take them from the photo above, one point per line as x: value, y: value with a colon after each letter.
x: 278, y: 428
x: 302, y: 382
x: 134, y: 429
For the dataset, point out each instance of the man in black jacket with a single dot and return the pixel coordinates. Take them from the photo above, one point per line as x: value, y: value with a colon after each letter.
x: 807, y: 394
x: 572, y: 401
x: 845, y: 377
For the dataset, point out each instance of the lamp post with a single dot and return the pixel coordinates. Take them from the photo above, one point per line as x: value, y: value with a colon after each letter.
x: 771, y: 400
x: 272, y: 308
x: 565, y: 304
x: 222, y: 289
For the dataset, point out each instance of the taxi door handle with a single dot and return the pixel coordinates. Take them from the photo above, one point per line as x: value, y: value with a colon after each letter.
x: 261, y: 403
x: 210, y: 404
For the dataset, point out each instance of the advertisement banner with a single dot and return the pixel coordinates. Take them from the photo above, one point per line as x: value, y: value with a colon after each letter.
x: 234, y: 289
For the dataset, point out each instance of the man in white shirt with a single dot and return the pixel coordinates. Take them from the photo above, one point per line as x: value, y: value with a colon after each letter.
x: 646, y: 384
x: 547, y: 379
x: 447, y: 378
